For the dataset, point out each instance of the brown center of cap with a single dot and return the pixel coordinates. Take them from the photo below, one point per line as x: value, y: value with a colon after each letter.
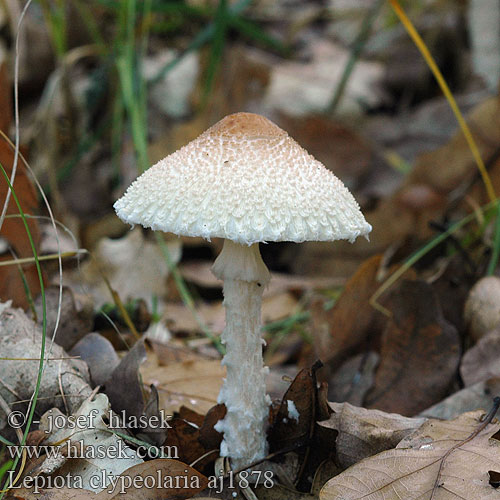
x: 245, y: 125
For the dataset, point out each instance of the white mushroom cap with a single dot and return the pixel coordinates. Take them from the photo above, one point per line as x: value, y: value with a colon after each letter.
x: 247, y: 180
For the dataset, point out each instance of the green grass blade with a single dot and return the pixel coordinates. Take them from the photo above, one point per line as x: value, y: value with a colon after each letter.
x: 217, y: 49
x: 44, y: 322
x: 254, y: 32
x: 355, y: 54
x: 496, y: 245
x: 203, y: 37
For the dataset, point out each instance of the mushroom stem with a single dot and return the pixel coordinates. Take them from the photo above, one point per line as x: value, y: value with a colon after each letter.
x: 244, y: 390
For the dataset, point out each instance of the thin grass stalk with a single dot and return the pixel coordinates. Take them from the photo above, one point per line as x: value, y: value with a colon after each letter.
x: 32, y: 404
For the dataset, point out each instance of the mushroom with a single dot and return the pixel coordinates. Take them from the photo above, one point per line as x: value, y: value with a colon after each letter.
x: 247, y: 181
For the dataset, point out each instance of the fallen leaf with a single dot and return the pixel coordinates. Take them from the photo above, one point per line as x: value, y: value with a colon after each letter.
x: 482, y: 311
x: 134, y: 266
x: 209, y: 437
x: 279, y: 492
x: 343, y: 330
x: 97, y: 446
x: 419, y: 355
x: 75, y: 321
x: 353, y: 379
x: 13, y: 231
x: 160, y: 478
x: 475, y: 396
x: 5, y: 97
x: 155, y: 431
x: 184, y: 437
x: 430, y: 168
x: 327, y: 469
x: 51, y: 494
x: 195, y: 384
x: 21, y: 338
x: 294, y: 421
x: 99, y: 354
x: 482, y: 361
x: 123, y: 387
x: 441, y: 460
x: 180, y: 319
x: 294, y: 426
x: 174, y: 351
x: 363, y: 433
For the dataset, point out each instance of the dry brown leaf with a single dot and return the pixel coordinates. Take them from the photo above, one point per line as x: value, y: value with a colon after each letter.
x: 209, y: 437
x: 134, y: 266
x: 51, y: 494
x: 180, y: 318
x: 419, y: 355
x: 75, y: 321
x: 194, y: 384
x: 438, y: 462
x: 363, y: 433
x: 123, y: 387
x: 14, y: 232
x: 21, y: 338
x: 168, y: 479
x: 476, y: 396
x: 445, y: 168
x: 295, y: 418
x: 184, y: 437
x: 5, y: 98
x: 280, y: 492
x: 482, y: 361
x: 344, y: 329
x: 353, y: 379
x: 99, y: 354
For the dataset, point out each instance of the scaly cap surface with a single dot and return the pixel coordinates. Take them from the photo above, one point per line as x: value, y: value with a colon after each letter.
x: 247, y: 180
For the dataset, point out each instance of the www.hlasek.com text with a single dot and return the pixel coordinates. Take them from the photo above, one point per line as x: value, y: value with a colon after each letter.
x: 77, y: 449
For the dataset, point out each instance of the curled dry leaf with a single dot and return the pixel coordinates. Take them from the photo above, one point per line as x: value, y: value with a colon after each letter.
x: 51, y: 494
x: 353, y: 379
x: 443, y: 460
x: 160, y: 478
x: 99, y: 354
x: 419, y: 355
x: 295, y: 418
x: 344, y: 329
x: 97, y: 446
x: 21, y: 338
x: 124, y: 388
x: 363, y: 433
x: 482, y: 361
x: 14, y: 232
x: 476, y: 396
x: 484, y: 121
x: 134, y: 266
